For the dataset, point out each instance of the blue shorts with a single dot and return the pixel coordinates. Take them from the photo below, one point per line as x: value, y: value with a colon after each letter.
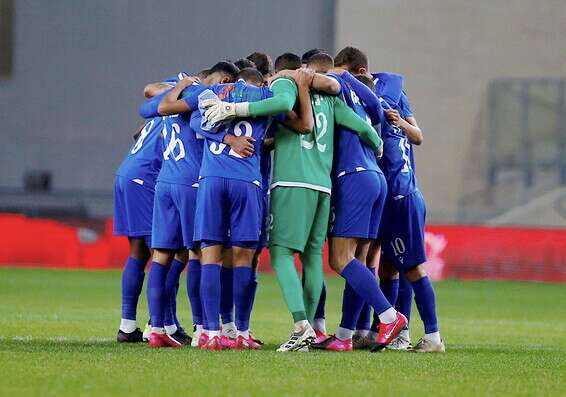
x: 228, y: 210
x: 173, y: 216
x: 402, y: 231
x: 133, y: 208
x: 357, y: 205
x: 264, y: 220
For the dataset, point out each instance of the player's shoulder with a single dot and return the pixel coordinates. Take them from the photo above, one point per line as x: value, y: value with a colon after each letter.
x: 286, y: 82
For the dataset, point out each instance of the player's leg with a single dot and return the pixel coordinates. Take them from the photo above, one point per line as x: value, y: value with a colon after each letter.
x: 292, y: 212
x: 363, y: 338
x: 172, y: 326
x: 319, y: 323
x: 229, y: 332
x: 245, y: 224
x: 166, y: 240
x: 212, y: 221
x: 193, y: 291
x: 133, y: 217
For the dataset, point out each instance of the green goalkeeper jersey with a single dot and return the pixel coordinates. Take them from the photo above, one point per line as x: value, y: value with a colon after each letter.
x: 305, y: 160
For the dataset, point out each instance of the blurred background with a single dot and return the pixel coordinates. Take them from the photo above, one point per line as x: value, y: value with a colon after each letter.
x: 486, y: 81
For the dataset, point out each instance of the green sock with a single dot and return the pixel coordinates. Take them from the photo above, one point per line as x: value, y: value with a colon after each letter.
x: 283, y: 263
x: 313, y: 278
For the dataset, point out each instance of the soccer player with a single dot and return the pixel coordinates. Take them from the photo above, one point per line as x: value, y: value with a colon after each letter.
x: 308, y: 54
x: 402, y: 230
x: 300, y: 194
x: 229, y: 208
x: 359, y: 194
x: 134, y: 190
x: 262, y: 63
x: 176, y: 188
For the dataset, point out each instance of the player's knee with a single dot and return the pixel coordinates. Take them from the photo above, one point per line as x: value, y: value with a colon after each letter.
x: 242, y: 256
x: 163, y: 257
x: 212, y: 254
x: 415, y: 273
x: 387, y: 271
x: 139, y: 250
x: 182, y: 256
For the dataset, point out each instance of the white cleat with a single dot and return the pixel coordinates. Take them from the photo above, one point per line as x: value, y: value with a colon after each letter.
x: 146, y: 332
x: 402, y: 342
x: 426, y: 346
x: 196, y: 337
x: 229, y: 330
x: 299, y: 341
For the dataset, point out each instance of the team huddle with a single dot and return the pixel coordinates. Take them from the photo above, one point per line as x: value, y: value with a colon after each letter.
x: 284, y: 156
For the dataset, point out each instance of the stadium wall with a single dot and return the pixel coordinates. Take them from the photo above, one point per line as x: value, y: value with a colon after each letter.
x: 449, y: 52
x: 466, y: 252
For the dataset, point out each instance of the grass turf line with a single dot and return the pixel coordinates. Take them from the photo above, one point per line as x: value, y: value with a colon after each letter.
x: 57, y: 331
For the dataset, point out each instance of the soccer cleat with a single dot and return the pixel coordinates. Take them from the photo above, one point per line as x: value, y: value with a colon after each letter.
x: 320, y: 336
x: 388, y: 332
x: 196, y: 336
x: 362, y: 342
x: 181, y: 336
x: 157, y: 340
x: 299, y: 341
x: 402, y: 342
x: 146, y: 332
x: 135, y: 336
x: 227, y: 342
x: 256, y: 340
x: 426, y: 346
x: 332, y: 343
x: 202, y: 340
x: 246, y: 344
x: 229, y: 332
x: 212, y: 344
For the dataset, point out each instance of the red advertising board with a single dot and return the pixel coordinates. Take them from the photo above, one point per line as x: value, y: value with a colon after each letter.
x: 454, y: 251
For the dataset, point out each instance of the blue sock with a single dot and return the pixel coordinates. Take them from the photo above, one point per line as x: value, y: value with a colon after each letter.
x: 193, y: 290
x: 210, y: 294
x: 390, y: 288
x: 156, y: 297
x: 132, y: 283
x: 352, y: 304
x: 364, y: 319
x: 426, y: 303
x: 405, y: 297
x: 363, y: 282
x: 243, y: 277
x: 321, y: 303
x: 171, y: 285
x: 227, y: 295
x: 253, y: 289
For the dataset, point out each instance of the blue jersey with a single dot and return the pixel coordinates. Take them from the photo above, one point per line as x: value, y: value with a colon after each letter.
x: 351, y: 154
x: 219, y: 159
x: 182, y: 147
x: 398, y: 162
x: 143, y: 161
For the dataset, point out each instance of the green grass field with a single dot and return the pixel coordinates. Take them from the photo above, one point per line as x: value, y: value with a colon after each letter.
x: 57, y: 331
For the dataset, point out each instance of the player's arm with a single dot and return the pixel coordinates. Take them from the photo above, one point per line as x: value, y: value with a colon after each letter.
x: 243, y: 145
x: 154, y: 89
x: 346, y: 117
x: 171, y: 103
x: 408, y: 124
x: 303, y: 123
x: 368, y: 97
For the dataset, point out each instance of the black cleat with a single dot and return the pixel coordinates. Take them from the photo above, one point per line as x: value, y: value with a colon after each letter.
x: 181, y: 337
x: 131, y: 337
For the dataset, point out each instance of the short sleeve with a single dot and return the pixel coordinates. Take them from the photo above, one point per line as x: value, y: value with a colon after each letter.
x: 405, y: 106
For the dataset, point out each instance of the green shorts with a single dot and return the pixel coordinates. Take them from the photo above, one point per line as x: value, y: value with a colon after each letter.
x: 298, y: 218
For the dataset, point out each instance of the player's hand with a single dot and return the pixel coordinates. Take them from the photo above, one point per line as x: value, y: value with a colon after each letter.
x: 304, y: 77
x: 242, y: 145
x: 217, y: 111
x: 379, y: 152
x: 393, y: 116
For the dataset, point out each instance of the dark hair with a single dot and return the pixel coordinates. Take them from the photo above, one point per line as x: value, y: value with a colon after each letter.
x: 262, y: 62
x: 203, y: 74
x: 251, y: 76
x: 307, y: 55
x: 351, y: 58
x: 367, y: 81
x: 322, y: 62
x: 287, y: 60
x: 244, y: 63
x: 227, y: 68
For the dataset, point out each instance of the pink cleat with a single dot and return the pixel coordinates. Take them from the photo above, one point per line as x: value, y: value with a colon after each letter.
x: 202, y: 340
x: 213, y: 344
x: 246, y: 344
x: 332, y: 343
x: 157, y: 340
x: 227, y: 342
x: 387, y: 332
x: 320, y: 336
